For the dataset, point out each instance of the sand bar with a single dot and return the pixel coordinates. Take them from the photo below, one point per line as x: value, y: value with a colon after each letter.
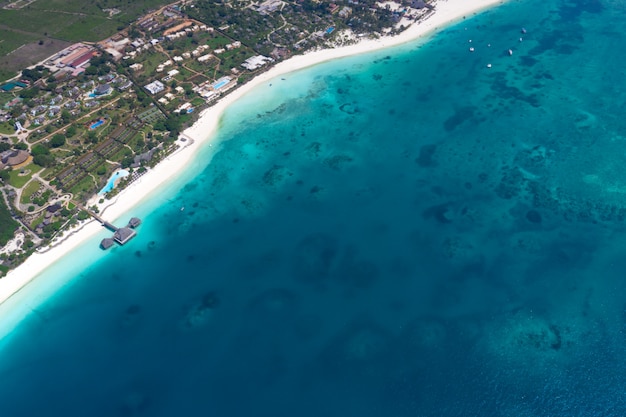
x: 447, y: 11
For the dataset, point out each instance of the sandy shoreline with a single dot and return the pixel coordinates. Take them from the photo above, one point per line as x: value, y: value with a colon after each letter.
x: 447, y: 11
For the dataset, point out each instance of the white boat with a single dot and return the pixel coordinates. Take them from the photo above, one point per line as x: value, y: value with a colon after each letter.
x: 510, y: 52
x: 471, y: 50
x: 488, y: 65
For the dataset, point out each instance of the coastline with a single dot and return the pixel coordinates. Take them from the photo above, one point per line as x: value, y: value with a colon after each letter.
x: 204, y: 129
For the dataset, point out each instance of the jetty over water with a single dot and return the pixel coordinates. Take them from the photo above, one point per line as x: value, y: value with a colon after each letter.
x: 121, y: 235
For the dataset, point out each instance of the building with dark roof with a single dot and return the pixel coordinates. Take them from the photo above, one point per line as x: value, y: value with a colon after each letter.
x: 13, y: 157
x: 107, y: 243
x: 102, y: 89
x: 134, y: 222
x: 123, y: 235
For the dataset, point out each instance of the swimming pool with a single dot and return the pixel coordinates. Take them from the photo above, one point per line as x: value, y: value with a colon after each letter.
x: 96, y: 124
x: 111, y: 182
x: 220, y: 84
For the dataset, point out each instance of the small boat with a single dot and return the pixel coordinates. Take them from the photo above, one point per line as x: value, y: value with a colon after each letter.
x: 182, y: 208
x: 471, y: 50
x: 520, y: 39
x: 523, y: 30
x: 488, y: 65
x: 510, y: 52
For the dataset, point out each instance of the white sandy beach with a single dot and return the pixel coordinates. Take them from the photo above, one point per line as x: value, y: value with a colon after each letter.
x: 447, y: 11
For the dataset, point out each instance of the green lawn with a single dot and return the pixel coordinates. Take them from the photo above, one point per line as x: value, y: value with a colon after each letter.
x: 37, y: 221
x: 29, y: 190
x: 6, y: 128
x: 17, y: 180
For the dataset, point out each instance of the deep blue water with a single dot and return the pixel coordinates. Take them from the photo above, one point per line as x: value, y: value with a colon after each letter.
x: 407, y: 233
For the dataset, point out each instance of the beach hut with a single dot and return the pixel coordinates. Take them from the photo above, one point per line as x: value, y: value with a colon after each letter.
x: 107, y: 243
x: 123, y: 235
x: 134, y: 222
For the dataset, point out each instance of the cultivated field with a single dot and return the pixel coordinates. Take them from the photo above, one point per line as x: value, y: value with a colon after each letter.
x: 33, y: 30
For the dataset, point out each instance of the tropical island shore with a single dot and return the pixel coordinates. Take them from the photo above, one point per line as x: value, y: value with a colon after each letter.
x: 204, y: 129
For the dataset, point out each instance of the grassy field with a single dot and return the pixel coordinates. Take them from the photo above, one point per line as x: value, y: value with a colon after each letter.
x: 6, y: 128
x: 17, y: 180
x: 57, y: 23
x: 29, y: 190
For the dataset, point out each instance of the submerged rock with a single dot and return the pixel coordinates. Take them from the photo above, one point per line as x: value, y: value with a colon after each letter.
x: 533, y: 216
x: 200, y: 312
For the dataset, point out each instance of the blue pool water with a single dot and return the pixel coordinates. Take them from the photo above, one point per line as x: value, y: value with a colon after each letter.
x: 220, y: 84
x: 111, y: 182
x: 96, y: 124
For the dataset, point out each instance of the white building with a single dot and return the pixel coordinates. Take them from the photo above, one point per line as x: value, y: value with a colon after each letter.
x: 256, y: 62
x: 204, y: 58
x: 154, y: 87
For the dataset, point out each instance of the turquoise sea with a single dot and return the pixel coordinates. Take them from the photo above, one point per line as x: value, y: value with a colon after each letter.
x: 404, y: 233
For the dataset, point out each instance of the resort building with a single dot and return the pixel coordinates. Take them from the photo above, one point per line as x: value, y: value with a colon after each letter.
x: 155, y: 87
x: 13, y: 157
x: 102, y: 89
x: 256, y: 62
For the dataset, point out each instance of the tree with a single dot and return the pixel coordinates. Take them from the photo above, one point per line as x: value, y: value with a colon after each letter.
x: 66, y: 117
x: 39, y: 149
x: 71, y: 131
x: 4, y: 175
x: 4, y: 146
x: 29, y: 93
x: 57, y: 140
x: 127, y: 161
x: 173, y: 124
x: 160, y: 126
x: 20, y: 146
x: 91, y: 70
x: 44, y: 160
x: 92, y: 137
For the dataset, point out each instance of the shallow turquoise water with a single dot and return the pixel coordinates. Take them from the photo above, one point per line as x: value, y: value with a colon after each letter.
x: 404, y: 233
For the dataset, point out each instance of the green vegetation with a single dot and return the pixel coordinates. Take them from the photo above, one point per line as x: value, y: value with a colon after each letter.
x: 29, y: 190
x: 6, y: 128
x: 5, y: 176
x: 8, y: 226
x: 19, y: 178
x: 45, y: 27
